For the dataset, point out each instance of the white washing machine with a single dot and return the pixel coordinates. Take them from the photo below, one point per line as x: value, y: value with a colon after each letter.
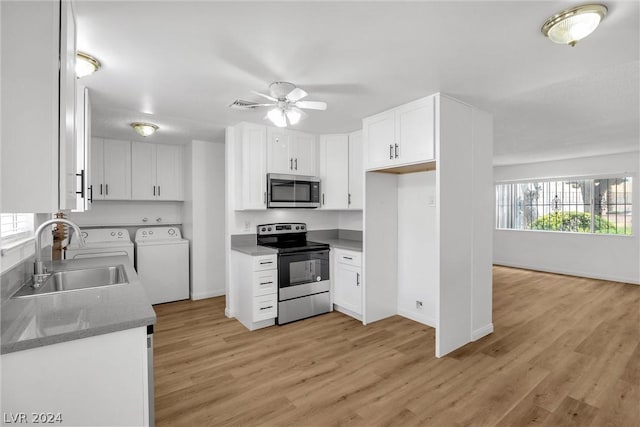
x: 162, y: 262
x: 100, y: 242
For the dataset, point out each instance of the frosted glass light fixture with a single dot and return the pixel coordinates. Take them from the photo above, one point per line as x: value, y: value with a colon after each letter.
x: 86, y: 64
x: 277, y: 117
x: 144, y: 129
x: 574, y: 24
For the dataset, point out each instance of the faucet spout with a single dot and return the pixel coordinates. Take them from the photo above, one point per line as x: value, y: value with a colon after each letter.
x: 39, y: 271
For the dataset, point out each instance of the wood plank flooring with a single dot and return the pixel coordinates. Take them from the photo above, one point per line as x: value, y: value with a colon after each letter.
x: 565, y: 352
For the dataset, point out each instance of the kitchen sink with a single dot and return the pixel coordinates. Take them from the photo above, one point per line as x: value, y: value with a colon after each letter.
x: 75, y: 280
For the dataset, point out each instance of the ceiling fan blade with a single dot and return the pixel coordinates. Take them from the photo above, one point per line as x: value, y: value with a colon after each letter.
x: 241, y: 104
x: 296, y: 94
x: 312, y: 105
x: 270, y: 98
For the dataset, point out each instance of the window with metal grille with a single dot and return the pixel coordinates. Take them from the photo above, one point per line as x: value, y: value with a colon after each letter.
x: 596, y: 205
x: 14, y: 226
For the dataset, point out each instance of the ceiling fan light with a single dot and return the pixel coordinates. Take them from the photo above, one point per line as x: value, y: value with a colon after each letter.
x: 144, y: 129
x: 293, y: 116
x: 572, y: 25
x: 277, y: 117
x: 86, y: 65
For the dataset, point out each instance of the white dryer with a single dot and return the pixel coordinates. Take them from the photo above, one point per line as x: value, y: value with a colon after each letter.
x: 162, y: 262
x: 101, y: 242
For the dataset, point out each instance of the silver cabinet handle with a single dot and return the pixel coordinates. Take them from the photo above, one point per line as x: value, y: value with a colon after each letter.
x: 296, y: 163
x: 266, y: 308
x: 101, y: 189
x: 291, y: 163
x: 390, y: 151
x: 349, y: 199
x: 154, y: 190
x: 106, y: 186
x: 397, y: 151
x: 158, y: 191
x: 266, y: 262
x: 347, y: 257
x: 264, y: 198
x: 323, y: 198
x: 265, y: 283
x: 357, y: 279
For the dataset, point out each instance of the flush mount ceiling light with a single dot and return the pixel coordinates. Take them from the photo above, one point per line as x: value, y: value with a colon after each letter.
x: 572, y: 25
x: 86, y: 64
x: 144, y: 129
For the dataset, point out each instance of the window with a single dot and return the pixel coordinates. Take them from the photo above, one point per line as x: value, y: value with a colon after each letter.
x: 15, y: 226
x: 598, y: 205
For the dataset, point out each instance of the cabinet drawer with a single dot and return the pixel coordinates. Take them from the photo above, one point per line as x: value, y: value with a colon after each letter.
x: 265, y: 262
x: 348, y: 257
x: 265, y: 307
x: 265, y: 282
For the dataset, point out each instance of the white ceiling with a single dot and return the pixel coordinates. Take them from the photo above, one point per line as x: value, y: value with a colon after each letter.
x: 180, y: 64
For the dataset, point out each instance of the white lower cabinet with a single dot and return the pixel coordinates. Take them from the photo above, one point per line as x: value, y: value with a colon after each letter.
x: 347, y: 282
x: 96, y: 381
x: 256, y: 282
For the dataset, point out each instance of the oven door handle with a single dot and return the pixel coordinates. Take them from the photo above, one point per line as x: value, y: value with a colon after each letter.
x: 304, y: 251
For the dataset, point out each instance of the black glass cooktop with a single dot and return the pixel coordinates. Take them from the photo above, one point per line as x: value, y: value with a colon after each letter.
x: 295, y: 246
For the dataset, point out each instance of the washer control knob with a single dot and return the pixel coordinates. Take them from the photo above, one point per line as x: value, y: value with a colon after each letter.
x: 144, y: 233
x: 171, y: 231
x: 119, y: 233
x: 85, y: 234
x: 113, y: 233
x: 150, y: 232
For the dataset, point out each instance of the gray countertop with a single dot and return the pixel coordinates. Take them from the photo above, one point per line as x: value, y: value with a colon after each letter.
x: 54, y: 318
x: 253, y: 249
x: 352, y: 245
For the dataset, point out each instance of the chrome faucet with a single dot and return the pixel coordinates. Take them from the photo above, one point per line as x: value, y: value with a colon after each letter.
x: 39, y: 270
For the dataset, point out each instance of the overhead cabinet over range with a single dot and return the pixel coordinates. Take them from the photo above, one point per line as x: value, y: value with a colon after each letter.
x: 291, y: 152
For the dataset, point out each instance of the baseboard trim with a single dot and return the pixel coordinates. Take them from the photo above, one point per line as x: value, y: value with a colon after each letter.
x: 209, y: 294
x: 482, y: 332
x: 425, y: 320
x: 228, y: 313
x: 348, y: 312
x: 567, y: 272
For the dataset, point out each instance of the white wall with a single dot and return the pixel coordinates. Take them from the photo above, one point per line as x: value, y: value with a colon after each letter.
x: 589, y: 255
x: 244, y: 222
x: 417, y: 247
x: 187, y: 206
x: 129, y: 213
x: 350, y: 220
x: 206, y: 210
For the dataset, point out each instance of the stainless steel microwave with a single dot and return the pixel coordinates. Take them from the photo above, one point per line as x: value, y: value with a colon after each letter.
x: 292, y: 191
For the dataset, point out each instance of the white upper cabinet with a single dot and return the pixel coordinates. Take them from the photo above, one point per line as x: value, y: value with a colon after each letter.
x: 356, y: 173
x: 291, y: 152
x: 250, y: 148
x: 334, y: 171
x: 111, y: 177
x: 169, y: 172
x: 38, y: 81
x: 143, y: 171
x: 83, y: 149
x: 402, y: 136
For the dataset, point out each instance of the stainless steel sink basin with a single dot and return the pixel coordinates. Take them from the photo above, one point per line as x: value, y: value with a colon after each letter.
x: 74, y: 280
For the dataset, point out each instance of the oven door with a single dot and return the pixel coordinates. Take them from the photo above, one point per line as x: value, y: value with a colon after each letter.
x: 291, y: 191
x: 303, y: 273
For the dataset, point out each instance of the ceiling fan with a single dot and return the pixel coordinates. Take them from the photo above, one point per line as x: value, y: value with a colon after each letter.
x: 286, y: 100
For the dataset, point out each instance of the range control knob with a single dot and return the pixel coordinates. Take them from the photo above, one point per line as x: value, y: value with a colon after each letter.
x: 302, y: 227
x: 264, y: 229
x: 297, y: 227
x: 269, y: 229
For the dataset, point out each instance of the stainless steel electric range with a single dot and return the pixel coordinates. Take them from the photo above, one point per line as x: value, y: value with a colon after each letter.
x: 303, y: 271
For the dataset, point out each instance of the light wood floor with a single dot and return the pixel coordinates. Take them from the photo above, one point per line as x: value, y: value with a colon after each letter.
x: 565, y: 352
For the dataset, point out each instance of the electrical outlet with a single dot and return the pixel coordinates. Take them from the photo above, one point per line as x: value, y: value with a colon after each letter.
x: 247, y: 225
x: 419, y: 305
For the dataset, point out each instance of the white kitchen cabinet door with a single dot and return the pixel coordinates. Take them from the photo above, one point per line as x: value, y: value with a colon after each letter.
x: 68, y: 181
x: 304, y: 150
x: 83, y: 149
x: 279, y: 153
x: 117, y: 169
x: 143, y: 171
x: 37, y: 169
x: 169, y: 173
x: 96, y: 177
x: 415, y: 131
x: 380, y: 133
x: 347, y: 287
x: 356, y: 172
x: 334, y: 171
x: 253, y: 165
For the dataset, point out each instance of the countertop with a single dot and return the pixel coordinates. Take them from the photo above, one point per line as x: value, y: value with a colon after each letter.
x: 54, y: 318
x: 351, y: 245
x: 253, y: 249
